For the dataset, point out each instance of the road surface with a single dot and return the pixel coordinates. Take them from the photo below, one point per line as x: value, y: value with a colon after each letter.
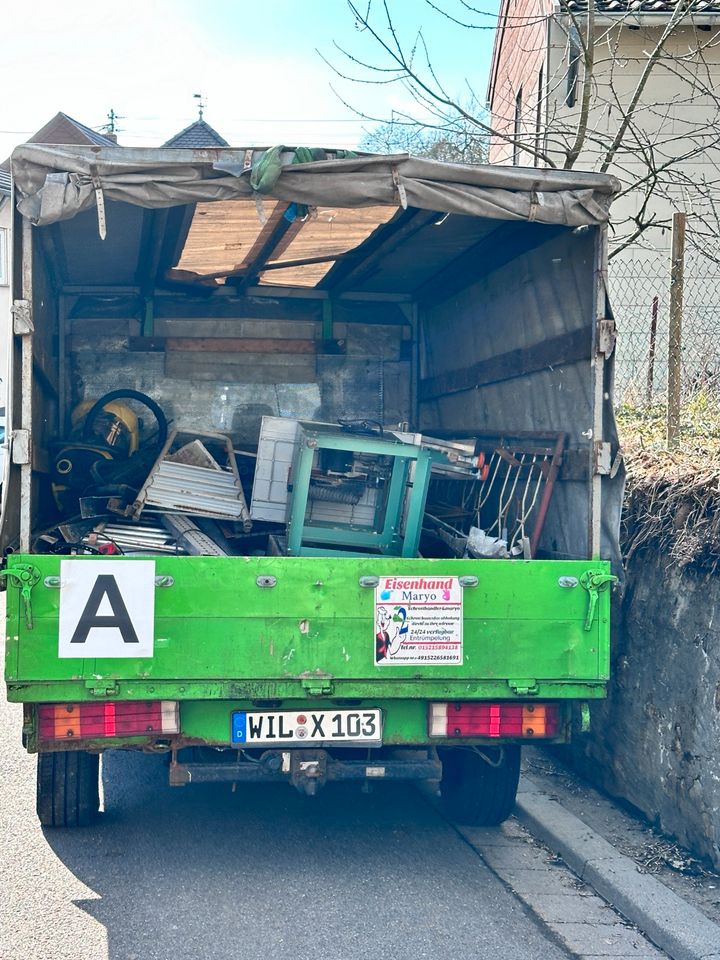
x: 203, y: 873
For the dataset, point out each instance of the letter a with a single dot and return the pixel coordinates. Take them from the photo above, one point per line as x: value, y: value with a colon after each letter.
x: 105, y: 586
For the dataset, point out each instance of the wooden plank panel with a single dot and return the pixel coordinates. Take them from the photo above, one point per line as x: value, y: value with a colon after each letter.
x: 98, y: 344
x: 240, y: 327
x: 239, y: 345
x: 101, y: 327
x: 240, y: 368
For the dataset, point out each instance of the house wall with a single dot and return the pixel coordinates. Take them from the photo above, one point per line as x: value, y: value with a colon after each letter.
x: 672, y: 109
x: 517, y: 65
x: 672, y: 112
x: 680, y: 120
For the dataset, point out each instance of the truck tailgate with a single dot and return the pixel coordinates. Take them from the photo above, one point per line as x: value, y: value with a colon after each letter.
x: 263, y: 627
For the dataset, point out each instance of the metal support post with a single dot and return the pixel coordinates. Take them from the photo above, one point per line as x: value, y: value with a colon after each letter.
x: 677, y: 272
x: 26, y: 378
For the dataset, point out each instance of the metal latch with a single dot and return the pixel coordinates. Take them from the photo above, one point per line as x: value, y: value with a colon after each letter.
x: 524, y: 687
x: 318, y: 686
x: 24, y: 576
x: 102, y: 687
x: 568, y: 583
x: 594, y: 581
x: 369, y: 581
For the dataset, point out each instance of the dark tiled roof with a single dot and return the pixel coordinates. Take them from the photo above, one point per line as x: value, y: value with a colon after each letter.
x: 646, y: 6
x: 198, y: 134
x: 4, y: 182
x: 63, y: 129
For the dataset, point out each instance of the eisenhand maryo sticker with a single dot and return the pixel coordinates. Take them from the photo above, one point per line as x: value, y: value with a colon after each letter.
x: 418, y: 620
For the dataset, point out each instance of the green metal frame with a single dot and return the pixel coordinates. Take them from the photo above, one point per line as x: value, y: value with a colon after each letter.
x: 405, y: 496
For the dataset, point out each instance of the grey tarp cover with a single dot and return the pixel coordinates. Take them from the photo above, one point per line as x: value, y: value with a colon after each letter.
x: 56, y: 182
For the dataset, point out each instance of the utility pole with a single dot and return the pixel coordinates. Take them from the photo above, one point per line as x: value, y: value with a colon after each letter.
x: 677, y: 273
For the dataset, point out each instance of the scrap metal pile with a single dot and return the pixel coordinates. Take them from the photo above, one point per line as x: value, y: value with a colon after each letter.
x: 121, y: 485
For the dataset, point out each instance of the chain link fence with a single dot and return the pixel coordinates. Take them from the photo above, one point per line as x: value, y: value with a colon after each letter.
x: 640, y: 299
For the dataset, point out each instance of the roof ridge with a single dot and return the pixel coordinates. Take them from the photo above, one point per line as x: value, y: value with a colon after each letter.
x: 199, y: 133
x: 88, y: 131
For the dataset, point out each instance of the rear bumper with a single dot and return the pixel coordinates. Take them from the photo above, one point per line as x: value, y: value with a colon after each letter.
x: 208, y: 723
x: 291, y: 765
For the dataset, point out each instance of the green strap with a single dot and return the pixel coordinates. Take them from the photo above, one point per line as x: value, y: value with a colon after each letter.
x: 266, y: 172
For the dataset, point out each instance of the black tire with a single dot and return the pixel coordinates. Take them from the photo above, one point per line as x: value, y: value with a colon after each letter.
x: 476, y: 792
x: 68, y: 788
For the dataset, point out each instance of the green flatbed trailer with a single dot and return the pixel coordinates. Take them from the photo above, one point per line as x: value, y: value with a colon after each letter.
x: 265, y: 668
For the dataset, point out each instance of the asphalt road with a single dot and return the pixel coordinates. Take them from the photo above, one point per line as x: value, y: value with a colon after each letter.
x: 203, y: 873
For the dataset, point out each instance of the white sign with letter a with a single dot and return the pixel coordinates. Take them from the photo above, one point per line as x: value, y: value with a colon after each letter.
x: 107, y: 608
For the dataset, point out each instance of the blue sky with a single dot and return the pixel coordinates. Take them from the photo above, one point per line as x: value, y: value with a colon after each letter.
x: 256, y: 64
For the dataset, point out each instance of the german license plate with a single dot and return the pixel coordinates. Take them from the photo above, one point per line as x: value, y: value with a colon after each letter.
x: 307, y: 726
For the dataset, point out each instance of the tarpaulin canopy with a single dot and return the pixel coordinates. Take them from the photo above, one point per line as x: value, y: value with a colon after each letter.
x: 57, y: 182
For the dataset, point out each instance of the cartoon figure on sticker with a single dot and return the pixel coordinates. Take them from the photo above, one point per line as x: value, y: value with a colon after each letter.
x: 391, y: 628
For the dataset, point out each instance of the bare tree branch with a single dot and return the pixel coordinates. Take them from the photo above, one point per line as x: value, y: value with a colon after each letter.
x: 647, y: 134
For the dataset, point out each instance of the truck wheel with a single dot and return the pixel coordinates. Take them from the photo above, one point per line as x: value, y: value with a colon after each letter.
x: 68, y: 788
x: 475, y: 791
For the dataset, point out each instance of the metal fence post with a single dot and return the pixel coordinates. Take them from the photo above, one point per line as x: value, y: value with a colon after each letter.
x: 651, y: 353
x: 677, y: 269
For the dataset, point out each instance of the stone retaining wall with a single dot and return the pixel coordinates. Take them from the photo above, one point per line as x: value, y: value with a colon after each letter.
x: 656, y: 741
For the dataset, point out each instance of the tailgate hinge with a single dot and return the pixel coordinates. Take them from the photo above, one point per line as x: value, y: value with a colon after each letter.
x: 102, y: 687
x: 524, y: 687
x: 20, y: 446
x: 602, y: 458
x: 606, y: 337
x: 318, y: 686
x: 22, y: 318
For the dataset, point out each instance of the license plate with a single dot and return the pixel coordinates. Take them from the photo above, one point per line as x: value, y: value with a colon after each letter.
x: 307, y: 726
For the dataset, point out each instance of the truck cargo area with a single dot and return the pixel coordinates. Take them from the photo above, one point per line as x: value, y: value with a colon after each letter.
x: 449, y: 370
x: 313, y: 469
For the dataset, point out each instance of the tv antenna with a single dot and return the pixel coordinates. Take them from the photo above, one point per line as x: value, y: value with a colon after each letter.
x: 112, y: 125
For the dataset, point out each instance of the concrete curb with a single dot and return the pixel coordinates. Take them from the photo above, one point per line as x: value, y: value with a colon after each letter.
x: 669, y: 921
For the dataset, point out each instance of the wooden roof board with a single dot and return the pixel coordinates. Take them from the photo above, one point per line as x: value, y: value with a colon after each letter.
x: 331, y: 231
x: 223, y: 236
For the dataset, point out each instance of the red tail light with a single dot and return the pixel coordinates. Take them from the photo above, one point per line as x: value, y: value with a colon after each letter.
x: 73, y: 721
x: 527, y: 720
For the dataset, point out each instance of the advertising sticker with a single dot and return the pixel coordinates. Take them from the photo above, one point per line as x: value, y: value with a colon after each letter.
x: 418, y: 620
